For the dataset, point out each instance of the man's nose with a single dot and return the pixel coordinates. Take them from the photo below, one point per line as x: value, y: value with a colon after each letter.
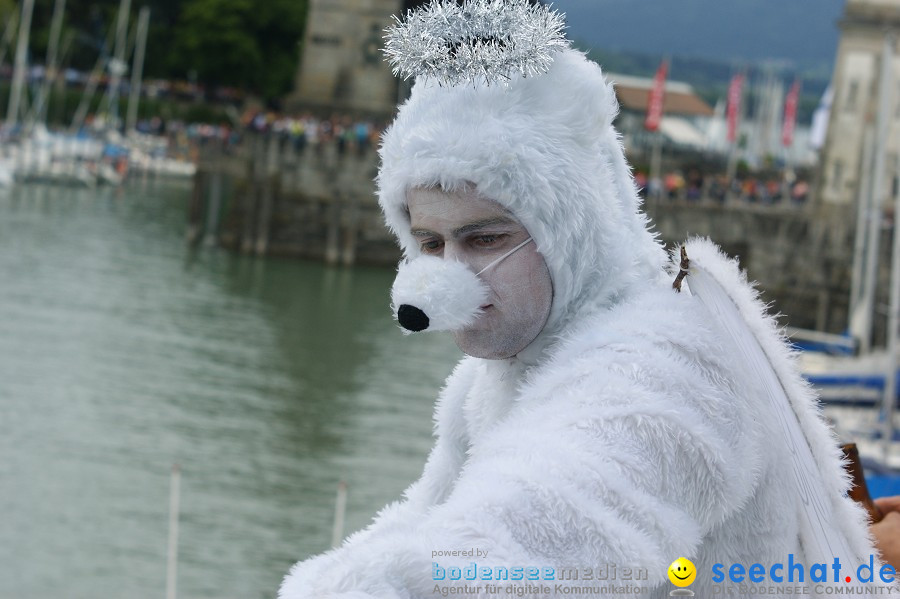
x: 456, y: 252
x: 452, y: 251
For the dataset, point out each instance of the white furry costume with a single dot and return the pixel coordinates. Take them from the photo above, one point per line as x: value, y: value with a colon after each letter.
x: 627, y: 433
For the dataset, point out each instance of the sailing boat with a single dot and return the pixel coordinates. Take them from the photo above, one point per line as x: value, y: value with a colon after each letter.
x: 40, y: 156
x: 43, y: 156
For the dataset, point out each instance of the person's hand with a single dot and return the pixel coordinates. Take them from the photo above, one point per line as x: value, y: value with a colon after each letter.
x: 887, y: 532
x: 888, y: 504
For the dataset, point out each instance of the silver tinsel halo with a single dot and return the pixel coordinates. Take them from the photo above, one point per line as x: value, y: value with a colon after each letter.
x: 490, y: 39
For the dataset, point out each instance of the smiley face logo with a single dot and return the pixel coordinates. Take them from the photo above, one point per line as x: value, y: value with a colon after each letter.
x: 682, y: 572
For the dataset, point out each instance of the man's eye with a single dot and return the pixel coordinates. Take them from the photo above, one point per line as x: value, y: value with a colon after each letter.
x: 430, y: 247
x: 488, y: 240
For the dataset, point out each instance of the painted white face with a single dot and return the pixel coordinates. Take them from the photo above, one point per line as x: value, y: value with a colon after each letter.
x: 469, y: 228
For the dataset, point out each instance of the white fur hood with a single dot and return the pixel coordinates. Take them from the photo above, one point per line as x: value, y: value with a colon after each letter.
x: 544, y: 147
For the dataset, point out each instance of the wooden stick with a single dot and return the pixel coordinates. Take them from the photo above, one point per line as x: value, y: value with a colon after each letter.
x: 682, y: 273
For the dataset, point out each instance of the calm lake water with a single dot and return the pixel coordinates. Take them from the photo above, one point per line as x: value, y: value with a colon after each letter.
x: 122, y: 351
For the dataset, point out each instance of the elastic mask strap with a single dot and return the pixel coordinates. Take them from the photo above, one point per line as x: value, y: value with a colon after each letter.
x: 504, y: 256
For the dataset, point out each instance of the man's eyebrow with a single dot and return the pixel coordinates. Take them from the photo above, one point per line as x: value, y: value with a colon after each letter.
x: 468, y: 228
x: 481, y: 224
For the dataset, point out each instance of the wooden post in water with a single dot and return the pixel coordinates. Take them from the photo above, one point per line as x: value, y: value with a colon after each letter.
x: 172, y: 563
x: 269, y: 169
x: 213, y: 208
x: 340, y: 508
x: 249, y: 201
x: 251, y: 196
x: 333, y: 230
x: 195, y: 211
x: 265, y: 213
x: 351, y: 231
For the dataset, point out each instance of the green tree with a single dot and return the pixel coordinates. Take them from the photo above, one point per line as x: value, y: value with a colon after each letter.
x: 6, y: 12
x: 240, y: 43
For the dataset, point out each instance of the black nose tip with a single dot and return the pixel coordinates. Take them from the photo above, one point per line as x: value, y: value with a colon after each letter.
x: 411, y: 318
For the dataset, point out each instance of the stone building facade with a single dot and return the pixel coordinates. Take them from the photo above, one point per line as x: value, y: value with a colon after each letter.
x: 342, y: 67
x: 857, y: 88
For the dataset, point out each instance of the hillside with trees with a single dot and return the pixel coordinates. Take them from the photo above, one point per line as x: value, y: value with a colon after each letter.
x: 244, y: 44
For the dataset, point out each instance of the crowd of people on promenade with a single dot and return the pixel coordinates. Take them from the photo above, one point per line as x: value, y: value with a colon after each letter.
x: 181, y: 132
x: 348, y: 134
x: 693, y: 186
x: 357, y: 136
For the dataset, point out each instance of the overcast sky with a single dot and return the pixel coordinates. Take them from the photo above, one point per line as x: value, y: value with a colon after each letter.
x: 803, y: 32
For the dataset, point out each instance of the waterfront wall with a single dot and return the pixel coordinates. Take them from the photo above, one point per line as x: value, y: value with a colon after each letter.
x: 270, y: 197
x: 800, y: 259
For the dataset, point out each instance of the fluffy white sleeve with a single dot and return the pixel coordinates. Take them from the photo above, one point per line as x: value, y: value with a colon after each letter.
x: 627, y: 450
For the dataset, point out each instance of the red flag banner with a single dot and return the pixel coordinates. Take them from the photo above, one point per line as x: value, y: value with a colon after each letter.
x: 734, y: 105
x: 656, y: 99
x: 790, y: 115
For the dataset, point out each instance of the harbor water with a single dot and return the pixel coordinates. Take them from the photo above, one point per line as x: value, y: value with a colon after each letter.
x: 123, y: 351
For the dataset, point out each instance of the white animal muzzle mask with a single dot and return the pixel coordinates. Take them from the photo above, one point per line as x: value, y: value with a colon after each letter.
x: 434, y: 294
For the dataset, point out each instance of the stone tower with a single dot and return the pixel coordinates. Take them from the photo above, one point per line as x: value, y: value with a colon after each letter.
x: 857, y: 88
x: 342, y: 68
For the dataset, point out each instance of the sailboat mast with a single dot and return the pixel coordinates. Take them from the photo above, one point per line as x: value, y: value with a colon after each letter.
x: 117, y: 66
x: 882, y: 124
x: 18, y: 82
x: 52, y: 69
x: 859, y: 319
x: 890, y: 381
x: 137, y: 70
x: 8, y: 33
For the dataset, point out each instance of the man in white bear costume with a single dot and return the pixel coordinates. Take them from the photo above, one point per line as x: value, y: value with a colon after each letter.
x: 625, y: 430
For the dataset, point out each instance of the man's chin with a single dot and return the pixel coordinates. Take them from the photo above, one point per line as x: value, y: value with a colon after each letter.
x: 485, y: 356
x: 482, y: 344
